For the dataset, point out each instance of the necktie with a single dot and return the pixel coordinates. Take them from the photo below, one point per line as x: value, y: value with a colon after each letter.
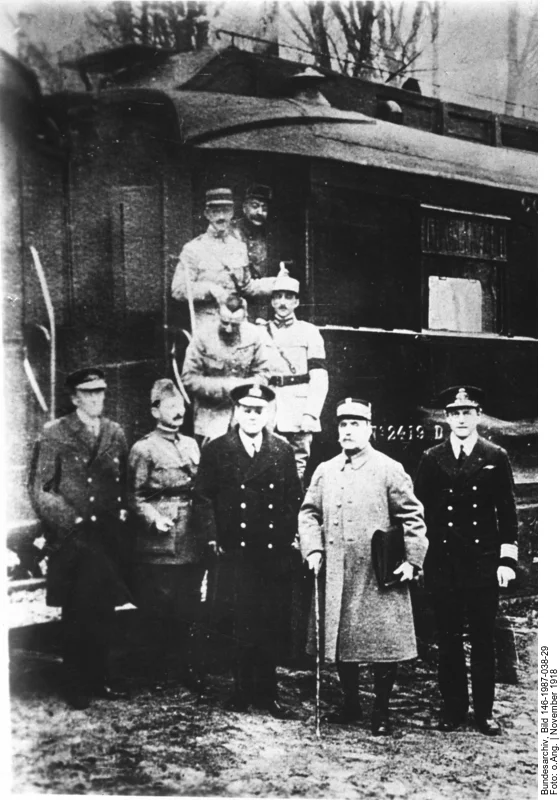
x: 253, y: 450
x: 461, y: 457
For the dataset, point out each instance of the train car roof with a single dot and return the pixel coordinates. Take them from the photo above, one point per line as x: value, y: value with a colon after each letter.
x: 287, y: 126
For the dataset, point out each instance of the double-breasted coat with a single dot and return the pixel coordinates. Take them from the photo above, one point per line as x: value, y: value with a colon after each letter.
x: 470, y: 515
x: 78, y: 488
x: 249, y: 507
x: 345, y: 503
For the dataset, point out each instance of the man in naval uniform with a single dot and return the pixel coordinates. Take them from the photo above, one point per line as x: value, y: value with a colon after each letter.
x: 221, y: 356
x: 247, y: 496
x: 299, y: 374
x: 466, y: 485
x: 78, y: 488
x: 351, y: 496
x: 214, y: 264
x: 168, y: 573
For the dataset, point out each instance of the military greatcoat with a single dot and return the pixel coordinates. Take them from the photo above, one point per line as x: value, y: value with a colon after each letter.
x: 345, y: 503
x: 470, y: 514
x: 249, y: 507
x: 78, y: 487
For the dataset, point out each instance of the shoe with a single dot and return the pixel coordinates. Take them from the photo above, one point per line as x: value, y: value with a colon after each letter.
x: 489, y: 727
x: 278, y: 711
x: 107, y: 692
x: 78, y: 699
x: 450, y: 724
x: 380, y: 724
x: 237, y: 702
x: 193, y: 681
x: 344, y: 716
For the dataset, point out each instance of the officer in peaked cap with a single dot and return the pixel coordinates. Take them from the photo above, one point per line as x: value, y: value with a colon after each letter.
x: 351, y: 496
x: 247, y: 496
x: 78, y: 488
x: 299, y: 373
x: 168, y: 571
x: 466, y: 486
x: 214, y: 264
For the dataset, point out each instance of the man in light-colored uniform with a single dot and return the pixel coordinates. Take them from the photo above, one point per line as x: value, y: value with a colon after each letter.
x: 351, y: 496
x: 299, y: 376
x: 214, y: 264
x: 222, y: 356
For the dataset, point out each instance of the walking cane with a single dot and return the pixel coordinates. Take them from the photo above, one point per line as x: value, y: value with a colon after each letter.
x: 317, y: 656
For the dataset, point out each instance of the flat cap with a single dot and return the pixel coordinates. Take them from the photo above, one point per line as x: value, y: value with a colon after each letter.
x: 252, y: 394
x: 220, y: 196
x: 258, y: 191
x: 353, y: 407
x: 461, y: 397
x: 88, y: 379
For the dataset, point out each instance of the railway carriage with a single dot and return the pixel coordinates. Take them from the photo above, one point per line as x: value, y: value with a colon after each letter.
x: 416, y: 253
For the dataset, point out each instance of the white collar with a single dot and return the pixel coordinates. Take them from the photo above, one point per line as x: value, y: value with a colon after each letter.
x: 252, y: 444
x: 467, y: 444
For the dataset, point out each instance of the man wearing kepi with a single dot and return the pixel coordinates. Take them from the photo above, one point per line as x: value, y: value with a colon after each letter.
x: 168, y: 574
x: 78, y: 488
x: 351, y: 496
x: 247, y: 496
x: 214, y: 264
x: 299, y: 374
x: 466, y: 485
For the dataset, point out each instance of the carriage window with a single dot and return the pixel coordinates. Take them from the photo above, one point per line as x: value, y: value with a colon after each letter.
x: 464, y: 258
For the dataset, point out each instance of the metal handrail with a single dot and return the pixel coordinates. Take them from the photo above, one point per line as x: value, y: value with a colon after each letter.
x: 52, y: 328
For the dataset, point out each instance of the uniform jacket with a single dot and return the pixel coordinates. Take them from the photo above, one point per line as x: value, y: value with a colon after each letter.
x: 470, y: 513
x: 209, y: 262
x: 298, y: 349
x: 78, y: 488
x: 213, y: 367
x: 344, y: 505
x: 162, y: 468
x: 255, y: 239
x: 248, y: 505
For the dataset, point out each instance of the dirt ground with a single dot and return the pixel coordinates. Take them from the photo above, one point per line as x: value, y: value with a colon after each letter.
x: 167, y: 741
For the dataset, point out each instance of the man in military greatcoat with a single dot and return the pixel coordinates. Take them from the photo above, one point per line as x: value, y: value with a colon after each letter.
x: 225, y: 354
x: 466, y: 485
x: 351, y: 496
x: 168, y: 573
x: 247, y: 496
x: 215, y: 264
x: 299, y: 374
x: 78, y: 487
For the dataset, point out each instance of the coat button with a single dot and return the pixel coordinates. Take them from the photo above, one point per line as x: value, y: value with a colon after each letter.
x: 116, y: 460
x: 271, y: 525
x: 78, y: 520
x: 242, y: 485
x: 449, y: 524
x: 94, y: 518
x: 243, y: 525
x: 243, y: 505
x: 242, y: 544
x: 269, y: 546
x: 91, y: 499
x: 271, y: 486
x: 89, y: 480
x: 476, y: 541
x: 475, y: 523
x: 270, y: 505
x: 445, y: 541
x: 338, y: 505
x: 475, y: 505
x: 336, y: 522
x: 119, y: 499
x: 450, y: 508
x: 331, y: 541
x: 474, y: 488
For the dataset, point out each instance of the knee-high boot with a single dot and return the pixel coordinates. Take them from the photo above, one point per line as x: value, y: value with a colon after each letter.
x: 384, y: 678
x: 351, y: 710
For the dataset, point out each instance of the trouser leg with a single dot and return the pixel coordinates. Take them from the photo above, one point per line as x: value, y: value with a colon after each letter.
x: 384, y: 678
x: 452, y: 671
x: 349, y: 674
x: 482, y: 607
x: 265, y: 685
